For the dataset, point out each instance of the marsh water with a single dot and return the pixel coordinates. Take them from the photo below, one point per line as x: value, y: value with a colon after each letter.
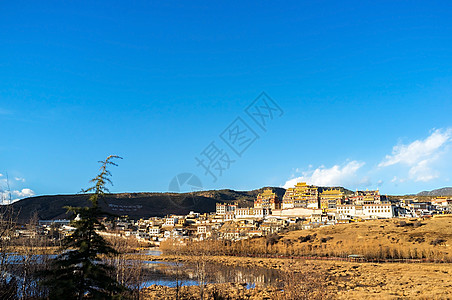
x: 170, y: 274
x: 173, y: 273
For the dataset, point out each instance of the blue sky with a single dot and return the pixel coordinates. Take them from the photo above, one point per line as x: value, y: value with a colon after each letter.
x: 365, y: 89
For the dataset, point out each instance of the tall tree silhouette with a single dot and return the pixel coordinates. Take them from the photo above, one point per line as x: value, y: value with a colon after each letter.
x: 79, y: 271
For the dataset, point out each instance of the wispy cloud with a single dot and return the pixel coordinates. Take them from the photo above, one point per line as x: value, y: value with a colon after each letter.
x: 336, y: 175
x: 420, y: 155
x: 422, y: 160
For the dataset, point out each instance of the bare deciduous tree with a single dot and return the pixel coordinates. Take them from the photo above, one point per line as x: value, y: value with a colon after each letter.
x: 128, y: 265
x: 33, y: 258
x: 8, y: 283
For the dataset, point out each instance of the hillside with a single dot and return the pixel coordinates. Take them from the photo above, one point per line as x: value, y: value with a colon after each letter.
x: 385, y: 239
x: 136, y: 205
x: 446, y: 191
x: 415, y: 238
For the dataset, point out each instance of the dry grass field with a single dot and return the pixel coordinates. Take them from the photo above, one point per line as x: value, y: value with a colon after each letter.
x: 428, y: 240
x: 394, y: 238
x: 391, y: 281
x: 414, y: 242
x: 340, y: 280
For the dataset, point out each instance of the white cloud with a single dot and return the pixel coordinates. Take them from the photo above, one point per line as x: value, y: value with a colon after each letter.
x: 396, y: 180
x: 3, y: 196
x: 24, y: 193
x: 422, y: 171
x: 15, y: 195
x: 336, y: 175
x: 420, y: 155
x: 292, y: 182
x: 12, y: 189
x: 19, y: 179
x: 3, y: 183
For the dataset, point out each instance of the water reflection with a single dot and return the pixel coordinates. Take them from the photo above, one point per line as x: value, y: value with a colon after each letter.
x: 171, y: 274
x: 153, y: 252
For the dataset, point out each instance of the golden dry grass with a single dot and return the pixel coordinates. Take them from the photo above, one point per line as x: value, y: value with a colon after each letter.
x: 430, y: 238
x: 392, y: 281
x: 351, y: 280
x: 392, y: 239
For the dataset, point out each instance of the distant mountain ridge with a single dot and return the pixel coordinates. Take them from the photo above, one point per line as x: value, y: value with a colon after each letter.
x: 137, y: 205
x: 145, y: 205
x: 445, y: 191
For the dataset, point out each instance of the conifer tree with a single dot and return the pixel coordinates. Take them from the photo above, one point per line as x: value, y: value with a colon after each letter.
x: 79, y: 271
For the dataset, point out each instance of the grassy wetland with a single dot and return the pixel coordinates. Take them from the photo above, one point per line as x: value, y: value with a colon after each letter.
x: 386, y: 259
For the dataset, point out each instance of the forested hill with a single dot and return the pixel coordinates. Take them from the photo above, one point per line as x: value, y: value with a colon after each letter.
x: 136, y: 205
x: 141, y: 205
x: 446, y: 191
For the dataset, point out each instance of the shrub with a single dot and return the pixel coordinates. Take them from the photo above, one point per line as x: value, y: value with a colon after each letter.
x: 326, y: 239
x: 402, y: 224
x: 272, y: 239
x: 419, y: 240
x: 303, y: 239
x: 438, y: 241
x: 417, y: 224
x: 307, y: 238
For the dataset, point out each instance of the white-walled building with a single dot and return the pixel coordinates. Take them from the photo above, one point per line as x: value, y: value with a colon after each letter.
x: 383, y: 210
x: 223, y: 208
x: 204, y: 231
x: 249, y: 212
x: 261, y: 212
x: 442, y: 201
x: 171, y: 221
x: 229, y: 216
x: 154, y: 231
x: 244, y: 213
